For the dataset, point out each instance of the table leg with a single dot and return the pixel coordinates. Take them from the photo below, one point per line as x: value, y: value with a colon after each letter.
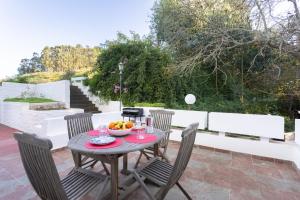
x: 114, y: 177
x: 125, y: 165
x: 77, y: 159
x: 156, y: 150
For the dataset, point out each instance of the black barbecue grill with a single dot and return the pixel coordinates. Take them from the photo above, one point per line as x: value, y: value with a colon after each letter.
x: 133, y: 113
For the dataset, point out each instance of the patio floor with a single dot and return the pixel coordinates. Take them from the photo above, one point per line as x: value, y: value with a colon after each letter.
x: 211, y: 174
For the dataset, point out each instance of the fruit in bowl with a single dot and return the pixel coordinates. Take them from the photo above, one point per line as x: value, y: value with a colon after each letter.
x: 120, y: 128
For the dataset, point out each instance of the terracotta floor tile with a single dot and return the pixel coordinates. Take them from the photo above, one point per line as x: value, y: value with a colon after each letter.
x: 245, y: 195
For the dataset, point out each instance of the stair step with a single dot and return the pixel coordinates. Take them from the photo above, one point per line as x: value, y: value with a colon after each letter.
x: 79, y: 100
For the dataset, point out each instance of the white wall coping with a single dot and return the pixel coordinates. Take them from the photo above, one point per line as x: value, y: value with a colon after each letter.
x: 80, y: 78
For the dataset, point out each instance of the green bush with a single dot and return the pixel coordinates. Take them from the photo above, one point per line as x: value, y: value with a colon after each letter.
x: 289, y: 124
x: 144, y: 76
x: 145, y: 104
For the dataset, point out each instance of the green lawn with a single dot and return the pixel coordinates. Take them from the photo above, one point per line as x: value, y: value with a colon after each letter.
x: 29, y: 100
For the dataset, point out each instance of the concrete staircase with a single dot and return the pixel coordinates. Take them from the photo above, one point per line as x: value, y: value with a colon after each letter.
x: 79, y: 100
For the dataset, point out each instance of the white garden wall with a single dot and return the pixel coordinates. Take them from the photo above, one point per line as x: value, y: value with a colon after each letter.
x: 280, y: 150
x: 59, y: 90
x: 265, y: 126
x: 18, y: 116
x: 183, y: 118
x: 52, y: 125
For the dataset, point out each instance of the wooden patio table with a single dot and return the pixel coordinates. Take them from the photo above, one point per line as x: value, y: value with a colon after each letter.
x: 111, y: 155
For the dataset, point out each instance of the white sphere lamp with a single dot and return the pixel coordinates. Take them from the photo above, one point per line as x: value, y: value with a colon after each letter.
x: 190, y: 99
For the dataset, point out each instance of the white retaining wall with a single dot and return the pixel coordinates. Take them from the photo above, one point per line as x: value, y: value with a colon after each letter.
x: 266, y: 126
x: 182, y: 118
x: 46, y: 123
x: 55, y: 128
x: 280, y: 150
x: 58, y: 91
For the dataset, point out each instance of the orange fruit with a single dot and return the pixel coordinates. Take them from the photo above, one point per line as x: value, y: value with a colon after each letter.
x: 111, y: 125
x: 129, y: 124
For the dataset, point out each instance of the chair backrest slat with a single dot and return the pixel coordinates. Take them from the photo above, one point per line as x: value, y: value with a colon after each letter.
x: 79, y: 123
x: 186, y: 147
x: 40, y: 167
x: 162, y: 119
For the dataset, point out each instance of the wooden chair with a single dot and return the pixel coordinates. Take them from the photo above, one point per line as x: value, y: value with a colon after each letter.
x: 43, y: 176
x: 81, y: 123
x: 162, y: 119
x: 164, y: 174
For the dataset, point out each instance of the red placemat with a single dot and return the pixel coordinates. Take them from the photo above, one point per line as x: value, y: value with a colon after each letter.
x: 93, y: 133
x: 116, y: 143
x: 147, y: 138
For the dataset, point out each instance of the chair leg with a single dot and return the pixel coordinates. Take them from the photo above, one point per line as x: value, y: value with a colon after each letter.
x: 105, y: 168
x: 141, y: 182
x: 93, y: 164
x: 146, y: 155
x: 138, y: 161
x: 183, y: 191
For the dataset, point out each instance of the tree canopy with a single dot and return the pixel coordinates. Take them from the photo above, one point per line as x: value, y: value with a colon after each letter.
x: 69, y: 58
x: 31, y: 65
x: 145, y: 77
x: 240, y: 50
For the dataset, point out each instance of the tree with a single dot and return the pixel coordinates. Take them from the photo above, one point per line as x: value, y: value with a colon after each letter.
x: 144, y: 76
x: 200, y: 31
x: 65, y: 58
x: 31, y: 65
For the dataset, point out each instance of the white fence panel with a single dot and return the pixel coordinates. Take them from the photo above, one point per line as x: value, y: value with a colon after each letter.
x: 183, y: 118
x: 266, y: 126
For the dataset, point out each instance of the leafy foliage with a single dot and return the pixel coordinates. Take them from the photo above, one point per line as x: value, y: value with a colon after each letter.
x: 68, y: 58
x: 144, y: 76
x: 31, y: 65
x: 45, y: 77
x: 225, y: 60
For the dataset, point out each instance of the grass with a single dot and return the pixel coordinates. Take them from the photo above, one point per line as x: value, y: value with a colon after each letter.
x: 29, y: 100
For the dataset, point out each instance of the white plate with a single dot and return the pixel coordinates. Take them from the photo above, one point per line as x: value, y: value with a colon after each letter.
x: 102, y: 140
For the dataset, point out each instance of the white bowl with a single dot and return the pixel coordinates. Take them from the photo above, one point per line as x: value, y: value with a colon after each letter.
x: 119, y: 132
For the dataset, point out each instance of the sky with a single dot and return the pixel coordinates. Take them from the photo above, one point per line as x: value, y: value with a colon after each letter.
x: 28, y: 26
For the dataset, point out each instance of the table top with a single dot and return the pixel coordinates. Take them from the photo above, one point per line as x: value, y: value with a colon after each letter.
x: 77, y: 143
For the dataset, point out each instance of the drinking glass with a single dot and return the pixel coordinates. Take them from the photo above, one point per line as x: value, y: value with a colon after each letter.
x: 102, y: 130
x: 138, y: 125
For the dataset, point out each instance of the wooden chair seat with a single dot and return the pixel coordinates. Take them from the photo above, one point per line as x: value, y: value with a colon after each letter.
x: 157, y: 171
x: 79, y: 182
